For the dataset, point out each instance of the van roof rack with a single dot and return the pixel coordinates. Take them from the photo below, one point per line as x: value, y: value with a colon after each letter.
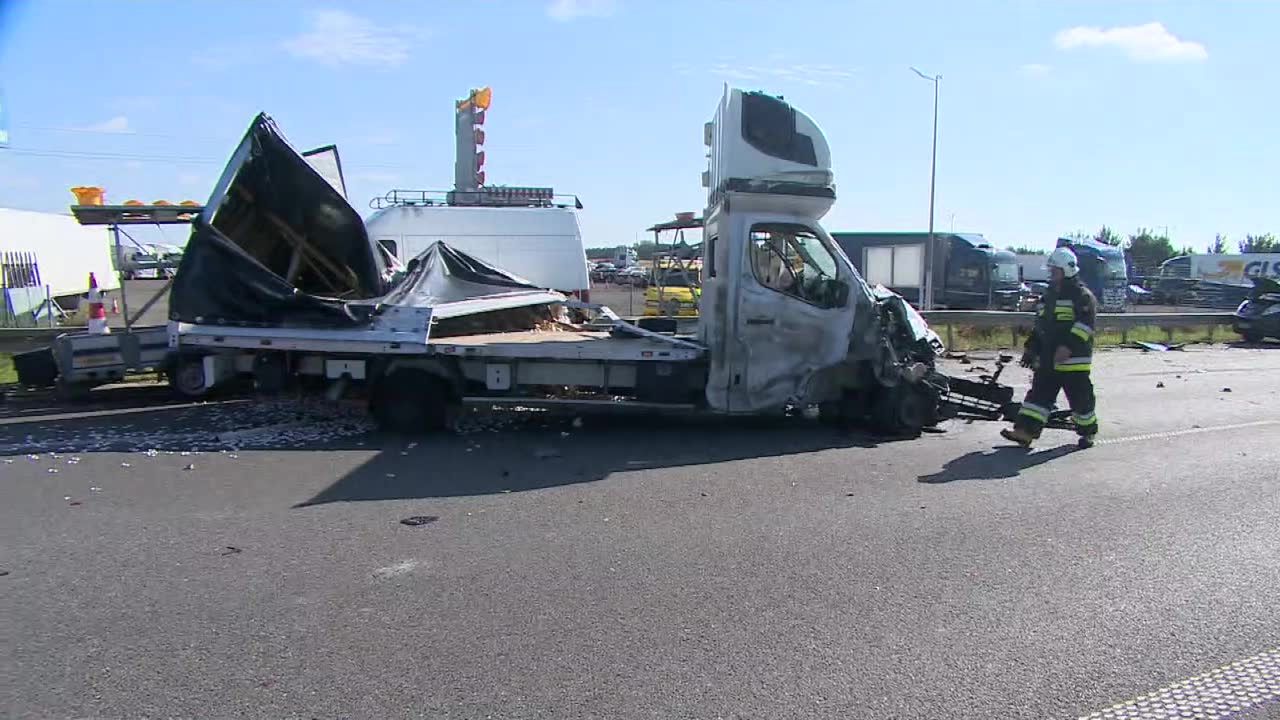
x: 495, y: 196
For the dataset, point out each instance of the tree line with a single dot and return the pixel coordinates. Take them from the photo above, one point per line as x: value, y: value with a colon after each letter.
x: 1146, y: 249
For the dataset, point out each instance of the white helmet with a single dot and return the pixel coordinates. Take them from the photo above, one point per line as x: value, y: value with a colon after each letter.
x: 1065, y: 260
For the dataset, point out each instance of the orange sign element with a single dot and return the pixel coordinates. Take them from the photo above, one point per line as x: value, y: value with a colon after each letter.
x: 88, y: 195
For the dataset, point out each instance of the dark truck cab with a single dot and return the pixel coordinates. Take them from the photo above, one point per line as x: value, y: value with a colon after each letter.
x: 1103, y: 270
x: 968, y: 273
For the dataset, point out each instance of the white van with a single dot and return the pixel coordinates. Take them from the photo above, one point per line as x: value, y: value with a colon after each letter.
x: 540, y: 244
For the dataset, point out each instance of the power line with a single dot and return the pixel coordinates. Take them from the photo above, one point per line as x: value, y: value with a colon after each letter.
x: 121, y: 133
x: 138, y: 157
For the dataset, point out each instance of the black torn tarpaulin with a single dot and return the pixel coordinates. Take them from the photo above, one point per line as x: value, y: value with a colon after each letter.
x: 276, y: 245
x: 279, y: 246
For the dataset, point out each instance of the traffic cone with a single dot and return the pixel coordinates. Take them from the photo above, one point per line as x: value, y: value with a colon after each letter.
x: 115, y: 306
x: 97, y: 313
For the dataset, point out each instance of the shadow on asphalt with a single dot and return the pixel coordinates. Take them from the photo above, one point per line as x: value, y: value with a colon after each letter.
x: 553, y: 452
x: 489, y: 453
x: 1000, y: 463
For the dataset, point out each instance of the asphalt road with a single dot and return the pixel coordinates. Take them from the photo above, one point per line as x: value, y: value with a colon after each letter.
x: 643, y: 569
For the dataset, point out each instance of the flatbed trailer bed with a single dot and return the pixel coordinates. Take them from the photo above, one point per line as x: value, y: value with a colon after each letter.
x: 567, y: 345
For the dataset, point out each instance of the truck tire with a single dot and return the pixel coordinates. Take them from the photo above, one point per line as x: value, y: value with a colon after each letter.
x: 1253, y: 336
x: 186, y: 376
x: 411, y: 401
x: 903, y: 410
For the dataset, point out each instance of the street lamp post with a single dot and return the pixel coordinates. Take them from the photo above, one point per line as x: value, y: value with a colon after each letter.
x: 927, y: 301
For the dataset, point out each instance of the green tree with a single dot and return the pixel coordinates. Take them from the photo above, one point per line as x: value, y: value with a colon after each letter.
x: 1219, y: 245
x: 1146, y: 250
x: 1107, y: 236
x: 1022, y: 250
x: 1264, y: 243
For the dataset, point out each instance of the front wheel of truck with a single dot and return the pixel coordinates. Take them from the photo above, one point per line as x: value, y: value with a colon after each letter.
x: 905, y: 409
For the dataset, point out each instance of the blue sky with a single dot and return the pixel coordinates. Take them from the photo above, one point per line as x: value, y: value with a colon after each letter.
x: 1055, y: 116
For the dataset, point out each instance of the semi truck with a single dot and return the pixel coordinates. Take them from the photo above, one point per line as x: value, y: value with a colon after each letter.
x: 281, y: 284
x: 969, y: 274
x: 1103, y: 270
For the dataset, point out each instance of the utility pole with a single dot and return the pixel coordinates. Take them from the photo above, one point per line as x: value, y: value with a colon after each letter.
x: 929, y: 251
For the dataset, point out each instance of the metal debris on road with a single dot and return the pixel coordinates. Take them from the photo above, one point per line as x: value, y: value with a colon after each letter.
x: 230, y: 550
x: 1159, y: 384
x: 52, y: 470
x: 125, y: 465
x: 416, y: 520
x: 192, y: 466
x: 1226, y: 389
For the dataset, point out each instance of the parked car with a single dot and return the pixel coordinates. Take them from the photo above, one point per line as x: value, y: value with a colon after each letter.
x: 634, y: 276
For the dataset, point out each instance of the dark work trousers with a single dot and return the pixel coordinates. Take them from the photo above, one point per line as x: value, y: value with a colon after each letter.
x: 1045, y: 385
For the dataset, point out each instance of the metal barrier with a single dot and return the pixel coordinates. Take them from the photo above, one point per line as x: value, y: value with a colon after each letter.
x: 13, y: 340
x: 1020, y: 322
x: 17, y: 340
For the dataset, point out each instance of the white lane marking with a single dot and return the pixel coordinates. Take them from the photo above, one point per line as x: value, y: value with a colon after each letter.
x: 399, y: 568
x: 1221, y: 693
x: 1188, y: 431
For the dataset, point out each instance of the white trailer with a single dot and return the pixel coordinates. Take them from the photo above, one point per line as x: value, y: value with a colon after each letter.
x: 65, y: 251
x: 786, y: 319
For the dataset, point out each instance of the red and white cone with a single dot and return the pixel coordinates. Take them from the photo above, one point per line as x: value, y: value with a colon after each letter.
x: 97, y: 313
x: 115, y: 306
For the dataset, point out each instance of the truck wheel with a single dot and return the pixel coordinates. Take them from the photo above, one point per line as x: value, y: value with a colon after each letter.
x: 1253, y: 336
x: 411, y: 401
x: 186, y: 377
x: 903, y: 410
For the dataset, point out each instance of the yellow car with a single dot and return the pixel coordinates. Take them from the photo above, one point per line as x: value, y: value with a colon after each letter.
x: 675, y: 296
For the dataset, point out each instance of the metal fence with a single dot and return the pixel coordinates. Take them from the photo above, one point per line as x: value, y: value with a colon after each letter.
x: 23, y: 296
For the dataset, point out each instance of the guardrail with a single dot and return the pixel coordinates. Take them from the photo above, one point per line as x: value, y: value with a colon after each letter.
x: 15, y: 340
x: 1023, y: 321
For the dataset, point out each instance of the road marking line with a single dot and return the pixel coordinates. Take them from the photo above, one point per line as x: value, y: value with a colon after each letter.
x: 1221, y: 693
x: 1188, y: 431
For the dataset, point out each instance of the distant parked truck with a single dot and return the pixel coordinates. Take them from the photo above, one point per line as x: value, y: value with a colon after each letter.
x: 969, y: 274
x: 1032, y: 268
x: 1229, y: 269
x: 624, y: 257
x: 1103, y: 270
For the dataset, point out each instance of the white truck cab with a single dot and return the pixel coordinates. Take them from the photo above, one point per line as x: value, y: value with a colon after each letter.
x: 780, y: 300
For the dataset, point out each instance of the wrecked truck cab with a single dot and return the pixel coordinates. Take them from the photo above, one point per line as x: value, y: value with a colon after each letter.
x: 786, y: 317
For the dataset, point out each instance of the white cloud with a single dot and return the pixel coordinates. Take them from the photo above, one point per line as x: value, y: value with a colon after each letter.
x: 1145, y: 43
x: 813, y: 74
x: 335, y: 37
x: 1034, y: 70
x: 566, y: 10
x: 117, y: 124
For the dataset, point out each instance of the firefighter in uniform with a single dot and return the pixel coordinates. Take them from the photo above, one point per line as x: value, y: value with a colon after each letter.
x: 1060, y: 353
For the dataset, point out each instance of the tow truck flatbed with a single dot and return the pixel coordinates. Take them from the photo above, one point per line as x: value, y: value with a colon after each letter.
x: 567, y: 345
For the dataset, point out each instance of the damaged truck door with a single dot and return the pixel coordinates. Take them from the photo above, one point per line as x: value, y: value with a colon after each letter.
x: 793, y: 312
